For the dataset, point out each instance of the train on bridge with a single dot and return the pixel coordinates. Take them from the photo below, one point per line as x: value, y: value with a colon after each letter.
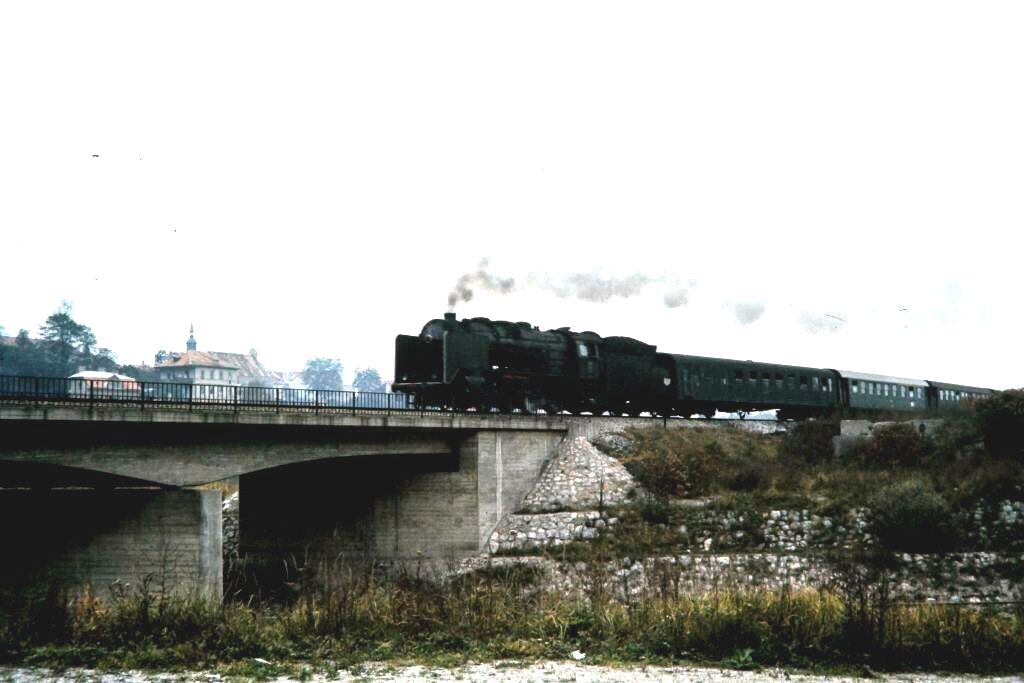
x: 486, y: 365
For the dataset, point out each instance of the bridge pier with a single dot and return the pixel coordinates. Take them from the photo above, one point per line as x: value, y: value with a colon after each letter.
x: 390, y: 507
x: 168, y: 541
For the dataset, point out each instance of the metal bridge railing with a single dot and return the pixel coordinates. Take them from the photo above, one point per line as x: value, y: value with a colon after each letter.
x: 75, y: 390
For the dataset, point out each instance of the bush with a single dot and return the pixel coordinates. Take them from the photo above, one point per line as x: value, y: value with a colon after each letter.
x: 897, y: 444
x: 810, y: 441
x: 911, y: 516
x: 958, y: 437
x: 1001, y: 421
x: 669, y: 466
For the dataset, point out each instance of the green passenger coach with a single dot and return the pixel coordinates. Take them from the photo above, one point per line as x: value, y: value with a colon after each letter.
x: 705, y: 385
x: 863, y: 391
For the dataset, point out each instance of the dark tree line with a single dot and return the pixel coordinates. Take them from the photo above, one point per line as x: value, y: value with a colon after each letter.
x: 64, y: 346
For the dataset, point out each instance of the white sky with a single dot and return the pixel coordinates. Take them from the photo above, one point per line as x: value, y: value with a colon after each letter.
x: 311, y: 179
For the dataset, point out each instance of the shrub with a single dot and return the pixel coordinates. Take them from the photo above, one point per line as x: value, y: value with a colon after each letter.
x: 810, y: 441
x: 897, y: 444
x: 1001, y: 421
x: 667, y: 466
x: 958, y: 437
x: 911, y: 516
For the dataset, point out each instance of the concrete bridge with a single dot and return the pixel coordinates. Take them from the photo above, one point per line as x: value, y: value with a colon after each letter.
x: 94, y: 493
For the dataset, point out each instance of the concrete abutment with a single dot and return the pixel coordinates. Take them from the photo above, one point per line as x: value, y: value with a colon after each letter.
x: 163, y: 541
x: 391, y: 507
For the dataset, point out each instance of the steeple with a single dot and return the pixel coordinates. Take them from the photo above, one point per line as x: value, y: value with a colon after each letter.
x: 191, y: 343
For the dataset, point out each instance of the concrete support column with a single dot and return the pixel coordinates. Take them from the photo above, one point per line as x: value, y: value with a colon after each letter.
x: 168, y: 541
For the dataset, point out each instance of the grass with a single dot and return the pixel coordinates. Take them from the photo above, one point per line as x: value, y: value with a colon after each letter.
x: 947, y: 477
x: 349, y: 615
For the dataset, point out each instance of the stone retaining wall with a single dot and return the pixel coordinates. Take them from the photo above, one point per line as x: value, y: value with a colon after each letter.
x: 957, y: 578
x: 530, y: 532
x: 580, y: 478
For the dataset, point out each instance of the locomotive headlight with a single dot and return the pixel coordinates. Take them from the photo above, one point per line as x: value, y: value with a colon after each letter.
x: 667, y: 381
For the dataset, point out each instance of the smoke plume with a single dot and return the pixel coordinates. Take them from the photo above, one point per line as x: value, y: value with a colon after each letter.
x: 816, y: 322
x: 677, y: 297
x: 480, y: 279
x: 747, y: 313
x: 593, y: 287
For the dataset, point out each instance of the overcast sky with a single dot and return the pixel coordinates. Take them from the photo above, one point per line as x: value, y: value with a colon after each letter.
x: 817, y: 183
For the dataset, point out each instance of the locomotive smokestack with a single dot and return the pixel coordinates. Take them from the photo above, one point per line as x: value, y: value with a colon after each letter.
x: 449, y: 321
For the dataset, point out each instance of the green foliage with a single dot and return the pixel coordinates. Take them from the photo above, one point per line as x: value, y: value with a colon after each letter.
x: 674, y: 463
x: 809, y: 441
x: 671, y: 467
x: 65, y: 346
x: 24, y: 357
x: 911, y: 516
x: 368, y: 380
x: 896, y: 444
x: 986, y: 480
x: 1001, y: 422
x: 958, y: 437
x: 66, y: 341
x: 322, y: 373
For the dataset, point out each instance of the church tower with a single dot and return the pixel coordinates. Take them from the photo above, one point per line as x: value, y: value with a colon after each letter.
x: 191, y: 343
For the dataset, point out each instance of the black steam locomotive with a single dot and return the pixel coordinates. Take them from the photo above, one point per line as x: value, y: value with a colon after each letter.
x: 489, y: 365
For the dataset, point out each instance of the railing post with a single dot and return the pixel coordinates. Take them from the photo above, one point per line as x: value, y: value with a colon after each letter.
x: 316, y: 400
x: 277, y: 398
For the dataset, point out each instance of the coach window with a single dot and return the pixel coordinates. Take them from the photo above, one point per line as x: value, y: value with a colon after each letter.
x: 803, y: 382
x: 752, y: 376
x: 903, y: 391
x: 778, y: 379
x: 853, y: 387
x: 739, y: 377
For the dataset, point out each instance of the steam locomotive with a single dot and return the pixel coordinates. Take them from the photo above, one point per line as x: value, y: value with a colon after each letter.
x: 489, y: 365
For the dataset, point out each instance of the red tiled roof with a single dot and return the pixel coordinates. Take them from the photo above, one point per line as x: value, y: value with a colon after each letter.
x: 200, y: 358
